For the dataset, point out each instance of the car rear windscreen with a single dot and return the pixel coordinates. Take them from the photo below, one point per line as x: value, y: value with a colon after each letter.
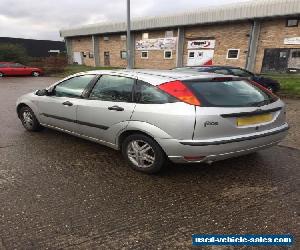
x: 233, y: 93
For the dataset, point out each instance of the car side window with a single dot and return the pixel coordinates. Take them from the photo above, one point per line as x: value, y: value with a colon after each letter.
x: 17, y: 65
x: 148, y: 94
x: 73, y: 87
x: 240, y: 72
x: 113, y: 88
x: 222, y: 71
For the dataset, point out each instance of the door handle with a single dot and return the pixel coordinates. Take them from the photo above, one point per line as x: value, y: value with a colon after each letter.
x: 116, y: 108
x: 67, y: 103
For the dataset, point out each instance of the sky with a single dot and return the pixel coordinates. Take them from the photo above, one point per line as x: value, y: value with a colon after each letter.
x: 42, y: 19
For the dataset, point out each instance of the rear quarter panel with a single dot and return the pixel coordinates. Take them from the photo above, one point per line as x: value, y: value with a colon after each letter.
x: 174, y: 120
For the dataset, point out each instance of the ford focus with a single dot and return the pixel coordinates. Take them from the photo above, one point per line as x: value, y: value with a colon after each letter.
x: 152, y: 116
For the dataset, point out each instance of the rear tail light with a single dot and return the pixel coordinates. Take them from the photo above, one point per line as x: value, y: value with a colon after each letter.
x: 180, y: 91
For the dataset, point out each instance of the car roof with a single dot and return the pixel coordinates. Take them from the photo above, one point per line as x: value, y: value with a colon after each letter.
x: 156, y: 77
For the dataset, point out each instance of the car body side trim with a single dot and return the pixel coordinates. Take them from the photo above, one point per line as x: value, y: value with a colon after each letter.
x: 207, y: 143
x: 76, y: 121
x: 257, y: 112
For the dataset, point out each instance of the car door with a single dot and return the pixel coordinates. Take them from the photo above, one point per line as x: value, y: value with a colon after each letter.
x: 7, y: 69
x: 18, y: 69
x: 59, y: 109
x: 108, y: 108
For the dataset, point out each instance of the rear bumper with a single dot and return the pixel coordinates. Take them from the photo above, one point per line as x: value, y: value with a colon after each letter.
x: 222, y: 148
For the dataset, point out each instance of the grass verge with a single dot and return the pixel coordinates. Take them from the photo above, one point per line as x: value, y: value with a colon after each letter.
x: 290, y: 84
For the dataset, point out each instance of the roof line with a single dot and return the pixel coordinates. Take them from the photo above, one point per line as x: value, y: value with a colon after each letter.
x: 254, y: 9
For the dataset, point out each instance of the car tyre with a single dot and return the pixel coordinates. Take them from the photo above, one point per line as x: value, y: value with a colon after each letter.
x: 35, y: 74
x: 1, y: 74
x: 143, y: 153
x: 29, y: 120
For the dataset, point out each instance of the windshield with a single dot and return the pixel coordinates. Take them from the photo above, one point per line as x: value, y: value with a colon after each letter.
x: 239, y: 93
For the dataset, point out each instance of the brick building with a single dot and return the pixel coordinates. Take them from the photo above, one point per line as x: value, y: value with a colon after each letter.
x: 260, y: 35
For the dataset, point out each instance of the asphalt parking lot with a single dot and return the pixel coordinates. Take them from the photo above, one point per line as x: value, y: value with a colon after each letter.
x: 62, y: 192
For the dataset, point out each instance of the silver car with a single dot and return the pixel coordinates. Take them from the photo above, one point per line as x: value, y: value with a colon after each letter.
x: 153, y: 115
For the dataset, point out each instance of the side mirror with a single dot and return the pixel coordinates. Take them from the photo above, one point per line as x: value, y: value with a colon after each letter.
x: 42, y: 92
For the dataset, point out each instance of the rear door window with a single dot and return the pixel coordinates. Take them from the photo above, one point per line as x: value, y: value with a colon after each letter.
x: 113, y: 88
x: 238, y: 93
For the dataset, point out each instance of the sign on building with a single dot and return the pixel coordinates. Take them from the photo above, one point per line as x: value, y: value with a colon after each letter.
x: 292, y: 40
x: 157, y: 44
x: 200, y: 57
x: 201, y: 44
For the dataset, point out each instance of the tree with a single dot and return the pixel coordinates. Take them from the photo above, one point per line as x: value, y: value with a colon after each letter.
x: 13, y: 53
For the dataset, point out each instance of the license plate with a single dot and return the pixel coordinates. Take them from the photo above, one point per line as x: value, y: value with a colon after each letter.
x: 252, y: 120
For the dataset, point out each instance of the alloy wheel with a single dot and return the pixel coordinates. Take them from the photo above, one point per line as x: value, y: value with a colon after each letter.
x: 27, y: 119
x: 140, y: 153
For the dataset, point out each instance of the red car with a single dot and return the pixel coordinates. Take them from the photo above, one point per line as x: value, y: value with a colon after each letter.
x: 17, y: 69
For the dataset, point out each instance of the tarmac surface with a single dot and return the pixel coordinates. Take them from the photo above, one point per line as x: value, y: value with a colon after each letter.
x: 62, y: 192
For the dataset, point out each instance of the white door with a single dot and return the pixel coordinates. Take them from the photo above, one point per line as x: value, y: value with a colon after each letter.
x: 200, y: 57
x: 77, y: 58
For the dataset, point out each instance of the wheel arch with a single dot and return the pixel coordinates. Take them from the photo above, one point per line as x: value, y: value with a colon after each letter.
x: 127, y: 133
x: 21, y: 105
x: 25, y: 104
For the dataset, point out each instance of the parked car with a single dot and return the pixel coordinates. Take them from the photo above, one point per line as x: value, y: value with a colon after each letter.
x: 267, y: 82
x: 17, y: 69
x: 152, y: 116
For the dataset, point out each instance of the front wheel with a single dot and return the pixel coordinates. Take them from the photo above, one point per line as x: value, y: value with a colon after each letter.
x: 143, y: 153
x: 1, y: 74
x: 29, y: 120
x: 35, y: 74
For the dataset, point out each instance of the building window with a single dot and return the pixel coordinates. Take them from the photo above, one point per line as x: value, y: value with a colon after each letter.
x: 91, y: 55
x: 292, y: 22
x: 283, y: 54
x: 169, y: 33
x: 192, y: 54
x: 296, y: 54
x: 144, y: 54
x: 145, y: 36
x: 168, y: 54
x: 233, y: 53
x: 123, y: 37
x: 123, y: 54
x: 106, y: 38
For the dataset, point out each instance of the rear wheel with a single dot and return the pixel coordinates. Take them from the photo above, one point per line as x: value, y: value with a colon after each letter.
x: 29, y: 120
x: 1, y: 74
x: 35, y: 74
x: 143, y: 153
